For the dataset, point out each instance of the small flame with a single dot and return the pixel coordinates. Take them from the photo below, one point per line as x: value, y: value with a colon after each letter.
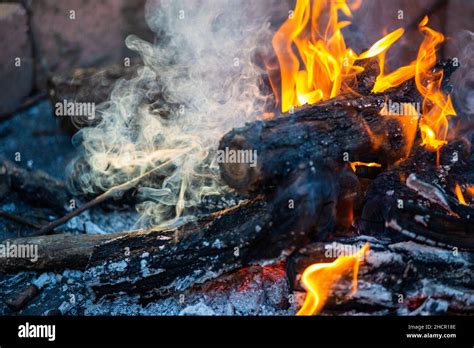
x: 354, y: 165
x: 318, y: 279
x: 407, y: 117
x: 459, y: 194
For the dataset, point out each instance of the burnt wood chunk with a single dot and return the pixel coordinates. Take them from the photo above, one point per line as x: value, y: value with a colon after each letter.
x: 417, y: 199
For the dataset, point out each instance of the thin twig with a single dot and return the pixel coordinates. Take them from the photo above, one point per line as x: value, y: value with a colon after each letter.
x: 99, y: 199
x: 18, y: 219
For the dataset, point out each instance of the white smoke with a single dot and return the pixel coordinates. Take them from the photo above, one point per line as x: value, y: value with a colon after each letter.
x: 198, y: 81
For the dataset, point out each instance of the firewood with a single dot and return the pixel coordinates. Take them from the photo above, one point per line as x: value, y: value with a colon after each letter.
x: 55, y: 252
x: 264, y: 228
x: 394, y: 278
x: 330, y: 133
x: 36, y: 187
x: 393, y: 204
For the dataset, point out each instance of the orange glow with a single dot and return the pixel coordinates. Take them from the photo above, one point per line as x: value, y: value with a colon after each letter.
x: 459, y: 195
x: 354, y: 165
x: 470, y: 190
x: 355, y: 4
x: 319, y: 279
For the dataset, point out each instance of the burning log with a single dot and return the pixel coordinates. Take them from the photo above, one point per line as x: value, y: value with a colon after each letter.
x: 265, y: 228
x: 328, y: 134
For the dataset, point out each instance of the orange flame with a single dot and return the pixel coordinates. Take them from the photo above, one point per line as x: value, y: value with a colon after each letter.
x: 459, y: 195
x: 327, y: 63
x: 354, y: 165
x: 316, y: 64
x: 318, y: 280
x: 436, y: 106
x: 321, y: 48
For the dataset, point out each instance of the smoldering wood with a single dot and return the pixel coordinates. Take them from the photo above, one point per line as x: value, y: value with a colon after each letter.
x: 391, y: 206
x: 328, y: 133
x: 36, y: 187
x: 394, y: 278
x: 261, y: 229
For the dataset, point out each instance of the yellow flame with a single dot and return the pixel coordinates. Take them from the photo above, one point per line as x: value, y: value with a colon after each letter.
x: 319, y: 279
x: 459, y: 195
x: 327, y: 63
x: 354, y: 165
x: 320, y: 46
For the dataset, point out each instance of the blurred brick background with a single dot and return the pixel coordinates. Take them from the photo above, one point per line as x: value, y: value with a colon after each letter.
x: 44, y: 35
x: 49, y: 42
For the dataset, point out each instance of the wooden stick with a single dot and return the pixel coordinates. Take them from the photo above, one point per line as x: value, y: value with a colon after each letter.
x: 96, y: 201
x: 18, y: 219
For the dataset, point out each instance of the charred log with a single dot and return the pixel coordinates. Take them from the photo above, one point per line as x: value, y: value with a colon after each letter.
x: 417, y: 199
x: 261, y: 229
x: 345, y: 128
x: 54, y: 252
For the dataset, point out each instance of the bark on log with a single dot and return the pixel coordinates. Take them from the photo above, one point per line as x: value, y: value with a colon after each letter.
x: 258, y: 230
x: 328, y: 133
x: 322, y: 134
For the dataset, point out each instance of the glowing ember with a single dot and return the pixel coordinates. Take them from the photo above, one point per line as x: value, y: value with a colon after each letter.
x: 470, y: 190
x: 407, y: 116
x: 459, y: 195
x: 354, y: 165
x: 318, y: 279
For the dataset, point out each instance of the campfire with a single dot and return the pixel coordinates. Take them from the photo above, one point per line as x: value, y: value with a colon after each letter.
x: 338, y: 175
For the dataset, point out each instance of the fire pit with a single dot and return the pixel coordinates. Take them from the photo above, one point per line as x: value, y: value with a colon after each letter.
x: 256, y: 159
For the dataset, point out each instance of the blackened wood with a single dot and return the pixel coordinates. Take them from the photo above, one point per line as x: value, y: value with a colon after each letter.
x: 348, y: 127
x: 393, y: 207
x: 262, y: 229
x: 331, y: 132
x: 394, y: 278
x: 55, y: 252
